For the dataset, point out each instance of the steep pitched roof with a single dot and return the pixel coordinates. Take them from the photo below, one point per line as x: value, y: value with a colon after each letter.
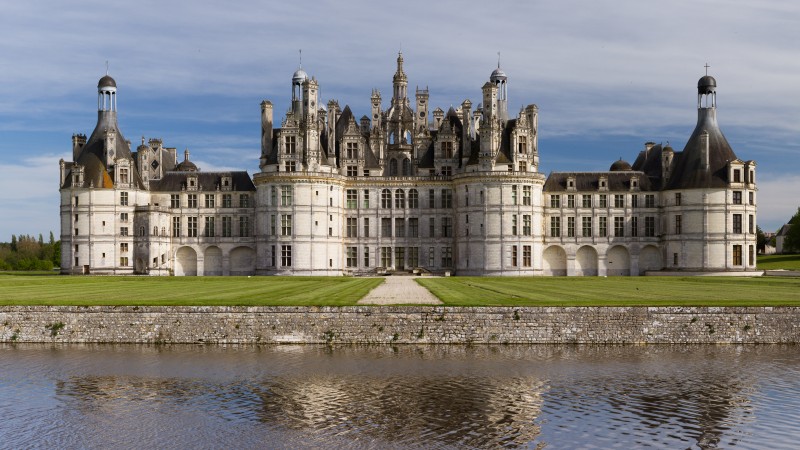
x: 589, y: 181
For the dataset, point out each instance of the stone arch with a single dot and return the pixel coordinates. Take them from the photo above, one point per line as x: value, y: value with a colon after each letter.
x: 185, y: 262
x: 650, y: 259
x: 586, y: 261
x: 243, y: 261
x: 554, y: 261
x: 618, y: 261
x: 212, y: 261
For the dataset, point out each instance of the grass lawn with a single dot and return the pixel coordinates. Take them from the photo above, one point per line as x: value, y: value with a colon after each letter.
x: 615, y: 291
x: 775, y: 262
x: 20, y: 288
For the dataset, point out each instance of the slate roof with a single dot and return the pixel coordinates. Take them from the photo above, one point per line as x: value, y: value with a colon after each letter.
x: 207, y: 181
x: 590, y: 181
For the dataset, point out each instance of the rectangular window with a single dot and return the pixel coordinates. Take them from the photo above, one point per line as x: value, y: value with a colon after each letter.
x: 386, y: 256
x: 413, y: 256
x: 291, y: 145
x: 192, y: 200
x: 176, y: 227
x: 555, y: 201
x: 526, y: 195
x: 352, y: 257
x: 286, y: 224
x: 351, y: 200
x: 123, y: 175
x: 634, y: 226
x: 750, y: 197
x: 286, y: 255
x: 386, y: 227
x: 619, y: 200
x: 751, y: 224
x: 352, y: 150
x: 634, y: 201
x: 526, y: 225
x: 649, y: 226
x: 413, y: 227
x: 737, y: 197
x: 513, y: 224
x: 431, y: 227
x: 522, y: 144
x: 586, y: 226
x: 352, y: 171
x: 273, y: 196
x: 447, y: 150
x: 555, y: 226
x: 431, y: 198
x: 526, y: 256
x: 123, y: 261
x: 678, y: 224
x: 678, y: 199
x: 123, y: 247
x: 603, y: 198
x: 123, y: 231
x: 737, y: 223
x: 174, y: 201
x: 602, y: 226
x: 619, y: 226
x: 244, y: 200
x: 351, y: 227
x: 751, y: 255
x: 447, y: 227
x: 570, y: 227
x: 447, y: 257
x: 447, y: 171
x: 399, y: 199
x: 523, y: 166
x: 586, y: 201
x: 513, y: 194
x: 366, y: 226
x: 650, y: 201
x: 571, y: 201
x: 737, y: 255
x: 286, y: 196
x: 210, y: 200
x: 366, y: 256
x: 386, y: 199
x: 399, y: 227
x: 400, y: 257
x: 514, y: 256
x: 737, y: 176
x: 123, y: 217
x: 273, y: 224
x: 244, y: 226
x: 413, y: 199
x: 123, y: 198
x: 366, y: 198
x: 227, y: 201
x: 447, y: 198
x: 227, y: 226
x: 191, y: 226
x: 209, y: 230
x: 431, y: 257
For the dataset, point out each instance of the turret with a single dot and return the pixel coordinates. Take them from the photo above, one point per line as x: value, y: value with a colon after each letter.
x: 421, y: 118
x: 399, y: 83
x: 266, y: 129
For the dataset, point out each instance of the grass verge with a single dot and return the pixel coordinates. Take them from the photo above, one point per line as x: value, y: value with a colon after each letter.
x: 18, y: 289
x: 615, y: 291
x: 777, y: 262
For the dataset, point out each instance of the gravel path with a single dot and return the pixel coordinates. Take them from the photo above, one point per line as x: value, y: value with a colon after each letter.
x: 399, y: 290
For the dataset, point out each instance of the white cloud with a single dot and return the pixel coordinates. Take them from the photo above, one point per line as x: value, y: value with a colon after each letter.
x: 29, y: 196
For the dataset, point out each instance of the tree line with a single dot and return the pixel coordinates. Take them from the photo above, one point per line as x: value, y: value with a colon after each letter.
x: 26, y: 252
x: 792, y: 242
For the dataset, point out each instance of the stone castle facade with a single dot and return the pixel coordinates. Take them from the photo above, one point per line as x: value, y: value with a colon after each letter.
x: 404, y: 189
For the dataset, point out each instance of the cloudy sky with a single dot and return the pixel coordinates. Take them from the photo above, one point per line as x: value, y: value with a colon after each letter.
x: 607, y: 77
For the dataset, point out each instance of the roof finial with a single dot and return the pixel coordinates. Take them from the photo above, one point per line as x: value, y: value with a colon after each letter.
x: 301, y: 58
x: 706, y: 66
x: 498, y: 60
x: 106, y: 67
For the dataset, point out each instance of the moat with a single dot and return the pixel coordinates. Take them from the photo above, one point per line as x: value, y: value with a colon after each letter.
x: 558, y: 396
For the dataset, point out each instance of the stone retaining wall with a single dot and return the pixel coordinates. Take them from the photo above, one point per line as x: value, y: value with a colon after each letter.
x: 399, y: 325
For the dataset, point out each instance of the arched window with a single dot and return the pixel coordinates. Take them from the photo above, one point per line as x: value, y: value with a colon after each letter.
x: 399, y: 199
x: 407, y: 137
x: 391, y: 137
x: 406, y: 167
x: 413, y: 199
x: 386, y: 199
x: 393, y: 167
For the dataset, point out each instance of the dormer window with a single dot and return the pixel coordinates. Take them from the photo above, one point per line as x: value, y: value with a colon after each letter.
x: 226, y: 183
x: 191, y: 183
x: 522, y: 144
x: 602, y: 183
x: 571, y: 183
x: 737, y: 176
x: 352, y: 150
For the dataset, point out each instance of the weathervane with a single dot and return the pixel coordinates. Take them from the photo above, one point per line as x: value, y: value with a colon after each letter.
x: 498, y: 60
x: 106, y: 67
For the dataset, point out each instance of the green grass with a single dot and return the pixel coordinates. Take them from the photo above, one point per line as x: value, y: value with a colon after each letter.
x: 775, y: 262
x: 23, y: 289
x: 615, y: 291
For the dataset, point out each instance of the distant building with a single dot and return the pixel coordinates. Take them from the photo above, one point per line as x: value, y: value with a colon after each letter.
x: 780, y: 238
x: 404, y: 189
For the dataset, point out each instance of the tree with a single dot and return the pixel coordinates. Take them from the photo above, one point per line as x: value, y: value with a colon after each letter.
x: 761, y: 240
x: 13, y: 242
x: 792, y: 242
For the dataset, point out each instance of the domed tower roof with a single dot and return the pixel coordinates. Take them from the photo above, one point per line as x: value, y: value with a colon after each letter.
x: 498, y: 75
x: 300, y: 76
x: 186, y: 165
x: 106, y: 81
x: 706, y: 85
x: 620, y: 166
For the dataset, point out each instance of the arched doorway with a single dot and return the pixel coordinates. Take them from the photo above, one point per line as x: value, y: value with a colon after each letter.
x: 554, y: 261
x: 212, y: 264
x: 619, y: 261
x: 650, y: 259
x: 186, y: 262
x: 243, y: 261
x: 586, y: 261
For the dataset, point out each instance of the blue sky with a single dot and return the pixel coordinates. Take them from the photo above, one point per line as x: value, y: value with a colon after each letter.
x: 607, y: 77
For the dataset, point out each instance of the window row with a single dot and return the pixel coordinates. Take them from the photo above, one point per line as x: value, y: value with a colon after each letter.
x: 225, y: 227
x: 209, y: 201
x: 602, y: 200
x: 587, y: 227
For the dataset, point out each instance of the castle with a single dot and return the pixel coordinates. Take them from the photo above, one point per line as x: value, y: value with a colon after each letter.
x: 404, y: 189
